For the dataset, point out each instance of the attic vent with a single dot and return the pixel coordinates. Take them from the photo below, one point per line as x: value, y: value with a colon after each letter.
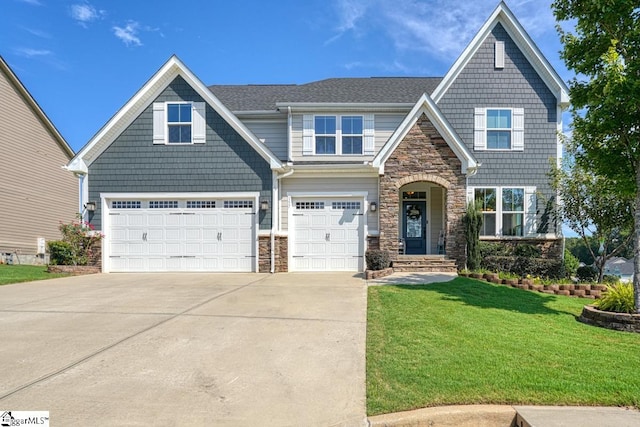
x: 499, y: 54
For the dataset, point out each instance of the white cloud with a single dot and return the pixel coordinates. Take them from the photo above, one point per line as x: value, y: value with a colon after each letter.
x: 31, y: 53
x: 85, y: 13
x: 37, y: 33
x: 128, y: 34
x: 442, y: 28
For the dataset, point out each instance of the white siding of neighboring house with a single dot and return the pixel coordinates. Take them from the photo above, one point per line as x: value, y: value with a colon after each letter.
x: 273, y: 133
x: 384, y: 126
x: 329, y: 185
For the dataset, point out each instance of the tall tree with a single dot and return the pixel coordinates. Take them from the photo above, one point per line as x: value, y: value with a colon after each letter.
x: 594, y: 210
x: 603, y: 48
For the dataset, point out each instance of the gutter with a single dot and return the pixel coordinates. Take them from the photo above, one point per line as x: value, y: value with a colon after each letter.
x: 275, y: 214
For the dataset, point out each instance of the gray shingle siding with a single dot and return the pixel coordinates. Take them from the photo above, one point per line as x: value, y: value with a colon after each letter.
x: 518, y: 85
x: 225, y: 163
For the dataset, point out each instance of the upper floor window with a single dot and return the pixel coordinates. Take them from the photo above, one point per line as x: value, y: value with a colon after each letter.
x: 179, y: 123
x: 338, y: 135
x: 499, y: 129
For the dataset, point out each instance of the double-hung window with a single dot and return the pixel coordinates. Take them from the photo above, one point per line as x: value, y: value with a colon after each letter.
x: 179, y: 123
x: 506, y: 211
x: 326, y: 134
x: 351, y: 135
x: 499, y: 129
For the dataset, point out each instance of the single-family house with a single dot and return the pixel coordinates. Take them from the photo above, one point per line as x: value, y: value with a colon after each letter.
x: 190, y: 177
x: 36, y: 193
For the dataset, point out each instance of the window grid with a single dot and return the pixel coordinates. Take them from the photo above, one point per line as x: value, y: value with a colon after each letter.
x: 309, y: 205
x: 512, y: 211
x: 126, y: 204
x: 345, y: 205
x: 179, y: 120
x: 326, y: 134
x: 352, y: 134
x: 499, y: 127
x: 201, y: 204
x: 487, y: 198
x: 238, y: 204
x: 163, y: 204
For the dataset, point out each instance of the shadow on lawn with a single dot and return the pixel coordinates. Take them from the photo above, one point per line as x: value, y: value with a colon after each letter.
x: 484, y: 295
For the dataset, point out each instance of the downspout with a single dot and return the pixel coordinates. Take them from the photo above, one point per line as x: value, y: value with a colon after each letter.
x: 81, y: 202
x: 289, y: 133
x: 275, y: 214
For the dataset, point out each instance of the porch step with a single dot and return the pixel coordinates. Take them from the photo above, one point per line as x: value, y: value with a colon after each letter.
x: 424, y: 263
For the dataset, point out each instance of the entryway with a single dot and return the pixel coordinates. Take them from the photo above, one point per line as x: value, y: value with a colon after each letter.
x: 422, y: 219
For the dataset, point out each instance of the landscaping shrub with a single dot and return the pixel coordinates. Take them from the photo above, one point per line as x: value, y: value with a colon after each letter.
x: 586, y: 273
x: 494, y: 249
x: 617, y: 298
x: 527, y: 250
x: 523, y: 266
x: 610, y: 279
x: 472, y: 221
x: 377, y: 259
x: 571, y: 263
x: 60, y: 253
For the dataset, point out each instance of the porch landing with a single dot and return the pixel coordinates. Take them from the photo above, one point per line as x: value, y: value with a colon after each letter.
x: 424, y: 263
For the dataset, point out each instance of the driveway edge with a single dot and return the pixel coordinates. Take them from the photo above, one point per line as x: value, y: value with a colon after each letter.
x: 449, y: 416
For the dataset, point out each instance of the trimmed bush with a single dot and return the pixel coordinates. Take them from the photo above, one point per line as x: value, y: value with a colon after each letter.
x: 618, y: 298
x: 494, y: 249
x: 610, y: 279
x: 377, y: 259
x: 586, y: 273
x: 523, y: 266
x: 60, y: 253
x: 528, y: 251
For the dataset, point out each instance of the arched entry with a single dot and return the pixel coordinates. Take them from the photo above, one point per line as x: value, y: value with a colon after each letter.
x: 421, y: 219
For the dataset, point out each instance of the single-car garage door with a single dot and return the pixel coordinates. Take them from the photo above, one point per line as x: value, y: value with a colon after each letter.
x: 328, y: 235
x: 181, y: 235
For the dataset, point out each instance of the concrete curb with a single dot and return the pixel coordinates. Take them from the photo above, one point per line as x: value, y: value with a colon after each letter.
x: 449, y: 416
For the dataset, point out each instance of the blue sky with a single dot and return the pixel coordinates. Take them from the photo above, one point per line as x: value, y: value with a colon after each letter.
x: 82, y: 60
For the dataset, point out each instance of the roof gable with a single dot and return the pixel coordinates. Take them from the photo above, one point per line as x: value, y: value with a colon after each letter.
x: 425, y: 105
x: 503, y: 15
x: 22, y: 90
x: 144, y: 97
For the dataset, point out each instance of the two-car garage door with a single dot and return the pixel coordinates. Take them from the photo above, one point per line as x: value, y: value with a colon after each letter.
x: 328, y: 234
x: 181, y: 235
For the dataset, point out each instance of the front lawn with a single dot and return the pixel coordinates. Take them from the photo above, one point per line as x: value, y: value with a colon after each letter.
x: 471, y: 342
x: 25, y: 273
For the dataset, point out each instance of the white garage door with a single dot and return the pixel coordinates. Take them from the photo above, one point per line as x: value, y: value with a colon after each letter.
x: 181, y: 235
x: 328, y: 235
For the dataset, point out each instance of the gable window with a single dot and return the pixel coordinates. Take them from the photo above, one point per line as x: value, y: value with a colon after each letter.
x: 499, y: 129
x: 351, y: 135
x: 179, y: 123
x: 325, y: 130
x: 506, y: 211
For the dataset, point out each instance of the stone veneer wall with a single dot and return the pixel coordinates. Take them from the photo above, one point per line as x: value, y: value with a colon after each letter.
x: 281, y: 254
x: 423, y: 156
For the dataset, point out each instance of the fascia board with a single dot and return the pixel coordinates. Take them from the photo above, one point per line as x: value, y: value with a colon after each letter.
x: 503, y: 15
x: 355, y: 106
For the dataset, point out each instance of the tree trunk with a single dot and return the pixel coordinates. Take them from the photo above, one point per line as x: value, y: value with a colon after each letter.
x: 636, y: 245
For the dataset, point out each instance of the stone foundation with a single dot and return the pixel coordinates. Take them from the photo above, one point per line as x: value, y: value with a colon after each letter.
x: 74, y: 270
x: 281, y: 254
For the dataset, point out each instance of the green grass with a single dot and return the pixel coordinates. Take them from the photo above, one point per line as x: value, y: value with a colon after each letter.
x: 471, y: 342
x: 25, y: 273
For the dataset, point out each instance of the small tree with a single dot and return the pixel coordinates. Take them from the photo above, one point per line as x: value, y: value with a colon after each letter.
x: 472, y: 221
x: 592, y: 209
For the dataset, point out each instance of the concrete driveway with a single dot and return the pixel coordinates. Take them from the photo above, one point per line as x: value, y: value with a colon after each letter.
x: 186, y: 349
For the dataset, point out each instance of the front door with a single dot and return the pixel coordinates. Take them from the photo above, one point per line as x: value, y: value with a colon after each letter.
x: 414, y: 227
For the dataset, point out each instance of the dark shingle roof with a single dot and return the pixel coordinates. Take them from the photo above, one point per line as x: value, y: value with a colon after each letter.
x: 336, y: 90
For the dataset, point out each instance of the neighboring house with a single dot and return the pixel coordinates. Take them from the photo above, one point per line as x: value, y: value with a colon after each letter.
x: 621, y: 267
x: 308, y: 177
x: 36, y: 193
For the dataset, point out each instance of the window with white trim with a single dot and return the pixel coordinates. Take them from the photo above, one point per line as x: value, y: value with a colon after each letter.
x: 506, y: 211
x: 179, y: 123
x: 499, y: 129
x: 350, y: 135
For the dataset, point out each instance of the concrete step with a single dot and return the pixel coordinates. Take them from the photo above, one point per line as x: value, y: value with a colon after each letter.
x: 424, y: 263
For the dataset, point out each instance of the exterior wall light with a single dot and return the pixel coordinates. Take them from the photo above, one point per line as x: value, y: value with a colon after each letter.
x: 373, y: 206
x: 90, y: 206
x: 264, y: 205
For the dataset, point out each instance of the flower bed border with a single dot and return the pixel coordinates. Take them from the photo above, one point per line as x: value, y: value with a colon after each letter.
x: 610, y: 320
x: 74, y: 270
